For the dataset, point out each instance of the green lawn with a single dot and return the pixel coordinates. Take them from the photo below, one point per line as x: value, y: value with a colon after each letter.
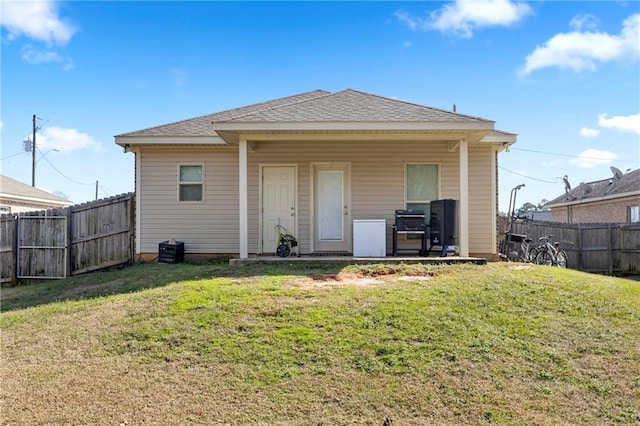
x: 319, y: 344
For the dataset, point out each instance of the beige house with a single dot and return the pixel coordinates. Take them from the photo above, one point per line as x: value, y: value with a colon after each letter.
x: 615, y: 199
x: 313, y: 162
x: 17, y: 197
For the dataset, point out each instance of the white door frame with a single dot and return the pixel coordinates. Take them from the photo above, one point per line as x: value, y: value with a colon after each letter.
x: 347, y: 188
x: 261, y: 167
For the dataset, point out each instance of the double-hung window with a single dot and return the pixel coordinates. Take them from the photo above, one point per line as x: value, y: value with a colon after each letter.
x: 634, y: 214
x: 190, y: 182
x: 422, y: 187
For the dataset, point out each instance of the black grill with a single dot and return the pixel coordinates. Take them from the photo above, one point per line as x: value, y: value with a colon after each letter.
x: 410, y: 220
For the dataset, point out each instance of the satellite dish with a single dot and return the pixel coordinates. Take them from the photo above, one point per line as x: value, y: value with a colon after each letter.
x: 585, y: 188
x: 617, y: 173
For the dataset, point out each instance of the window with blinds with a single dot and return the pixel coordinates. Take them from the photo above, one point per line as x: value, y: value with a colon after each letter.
x: 421, y: 186
x: 190, y: 182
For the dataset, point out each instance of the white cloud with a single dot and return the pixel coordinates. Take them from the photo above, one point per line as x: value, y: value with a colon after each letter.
x: 626, y: 123
x: 407, y: 44
x: 464, y: 16
x: 414, y: 23
x: 35, y: 56
x: 593, y: 157
x: 584, y: 21
x: 38, y: 20
x: 65, y: 140
x: 586, y: 132
x: 580, y: 51
x: 551, y: 163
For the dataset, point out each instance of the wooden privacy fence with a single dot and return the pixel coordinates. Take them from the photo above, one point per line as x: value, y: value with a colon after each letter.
x: 610, y: 248
x: 61, y: 242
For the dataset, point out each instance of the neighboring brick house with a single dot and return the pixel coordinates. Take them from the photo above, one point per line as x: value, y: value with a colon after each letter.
x: 611, y: 200
x: 17, y: 197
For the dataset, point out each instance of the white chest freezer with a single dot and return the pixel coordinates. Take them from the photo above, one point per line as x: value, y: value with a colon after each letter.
x: 369, y: 238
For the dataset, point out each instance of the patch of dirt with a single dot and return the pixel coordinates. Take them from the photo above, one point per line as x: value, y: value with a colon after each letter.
x: 343, y: 279
x: 521, y: 266
x: 415, y: 278
x: 329, y: 280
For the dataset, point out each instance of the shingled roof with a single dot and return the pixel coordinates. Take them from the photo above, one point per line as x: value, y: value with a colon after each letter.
x: 11, y: 188
x: 627, y: 185
x: 346, y: 106
x: 312, y: 107
x: 202, y: 125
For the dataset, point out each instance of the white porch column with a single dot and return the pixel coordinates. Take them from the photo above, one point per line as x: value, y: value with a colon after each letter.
x: 494, y: 200
x: 243, y: 206
x: 464, y: 199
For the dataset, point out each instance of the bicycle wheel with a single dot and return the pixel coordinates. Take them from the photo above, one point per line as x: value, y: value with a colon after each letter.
x: 561, y: 259
x: 544, y: 258
x: 533, y: 253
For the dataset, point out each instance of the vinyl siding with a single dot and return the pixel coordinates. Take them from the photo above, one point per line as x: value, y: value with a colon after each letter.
x: 377, y: 189
x: 482, y: 210
x: 208, y: 227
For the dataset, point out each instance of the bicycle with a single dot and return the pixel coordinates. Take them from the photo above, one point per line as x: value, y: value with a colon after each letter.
x: 508, y: 249
x: 551, y: 254
x: 522, y: 253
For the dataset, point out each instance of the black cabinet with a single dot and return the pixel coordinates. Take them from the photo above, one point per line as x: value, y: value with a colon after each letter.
x: 171, y: 252
x: 443, y: 224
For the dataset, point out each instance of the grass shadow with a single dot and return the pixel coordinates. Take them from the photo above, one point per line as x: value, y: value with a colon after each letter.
x: 142, y: 276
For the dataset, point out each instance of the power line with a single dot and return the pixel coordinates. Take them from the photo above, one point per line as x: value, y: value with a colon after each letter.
x: 105, y: 190
x: 569, y: 155
x: 14, y: 155
x: 527, y: 177
x: 63, y: 175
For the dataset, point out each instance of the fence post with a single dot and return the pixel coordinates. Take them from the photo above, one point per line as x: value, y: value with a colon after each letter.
x: 14, y: 258
x: 579, y: 244
x: 610, y: 247
x: 69, y: 265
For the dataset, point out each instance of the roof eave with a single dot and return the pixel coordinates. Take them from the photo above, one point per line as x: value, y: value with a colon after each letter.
x: 352, y: 125
x: 230, y: 131
x: 503, y: 139
x: 592, y: 200
x: 131, y: 141
x: 61, y: 203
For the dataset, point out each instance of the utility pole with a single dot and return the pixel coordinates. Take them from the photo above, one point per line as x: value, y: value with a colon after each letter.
x: 33, y: 154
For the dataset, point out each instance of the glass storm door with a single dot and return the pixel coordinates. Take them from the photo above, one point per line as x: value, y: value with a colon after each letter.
x: 332, y: 209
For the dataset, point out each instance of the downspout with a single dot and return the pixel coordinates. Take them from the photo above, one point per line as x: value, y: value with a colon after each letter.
x: 137, y: 185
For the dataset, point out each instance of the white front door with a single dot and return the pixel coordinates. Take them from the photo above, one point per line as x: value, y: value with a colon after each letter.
x: 278, y: 203
x: 332, y: 224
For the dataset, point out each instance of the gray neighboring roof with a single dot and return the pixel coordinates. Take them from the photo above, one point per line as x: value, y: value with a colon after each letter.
x: 203, y: 125
x: 348, y: 106
x: 315, y: 106
x: 627, y: 185
x: 10, y: 187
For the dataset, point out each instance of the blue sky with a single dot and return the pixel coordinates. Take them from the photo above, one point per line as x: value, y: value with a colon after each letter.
x: 564, y: 76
